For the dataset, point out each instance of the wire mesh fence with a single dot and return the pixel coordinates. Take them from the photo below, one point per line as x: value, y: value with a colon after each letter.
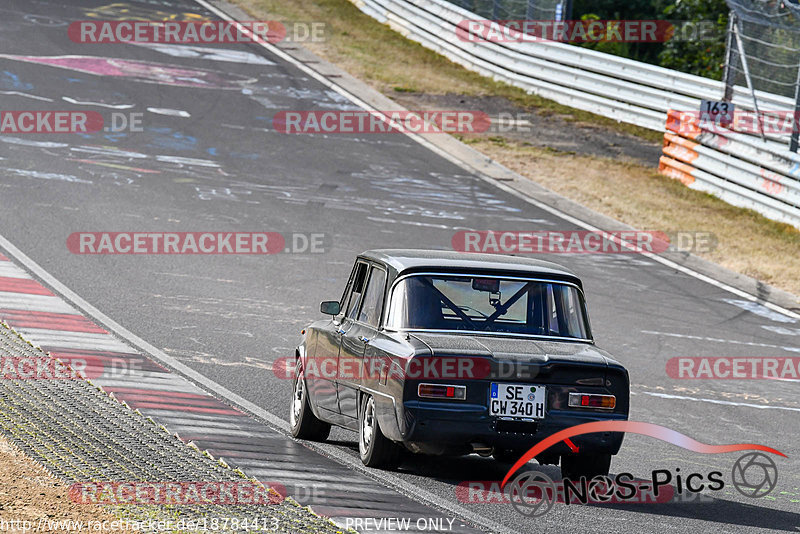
x: 763, y: 54
x: 769, y: 34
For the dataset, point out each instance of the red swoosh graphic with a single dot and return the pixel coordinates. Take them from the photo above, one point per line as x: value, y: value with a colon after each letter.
x: 634, y: 427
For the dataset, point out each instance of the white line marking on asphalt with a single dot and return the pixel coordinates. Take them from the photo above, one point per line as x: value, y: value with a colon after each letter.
x: 558, y: 213
x: 170, y: 112
x: 48, y: 176
x: 30, y: 142
x: 412, y: 223
x: 782, y: 330
x: 98, y: 104
x: 411, y: 491
x: 715, y: 401
x: 761, y: 311
x: 211, y: 54
x: 26, y: 95
x: 720, y: 340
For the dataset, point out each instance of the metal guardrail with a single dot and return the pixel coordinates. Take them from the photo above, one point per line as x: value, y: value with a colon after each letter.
x: 622, y: 89
x: 615, y: 87
x: 732, y: 166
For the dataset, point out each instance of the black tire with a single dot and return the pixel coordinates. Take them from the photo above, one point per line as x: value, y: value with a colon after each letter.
x: 507, y: 456
x: 303, y: 422
x: 575, y: 466
x: 375, y: 449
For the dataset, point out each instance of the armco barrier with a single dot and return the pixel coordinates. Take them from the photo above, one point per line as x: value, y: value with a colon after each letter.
x: 611, y: 86
x: 742, y: 170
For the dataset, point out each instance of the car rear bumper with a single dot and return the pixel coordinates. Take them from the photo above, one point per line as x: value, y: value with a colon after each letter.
x: 435, y: 427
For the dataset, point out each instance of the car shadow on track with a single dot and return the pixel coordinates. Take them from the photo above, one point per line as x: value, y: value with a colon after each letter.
x: 717, y: 510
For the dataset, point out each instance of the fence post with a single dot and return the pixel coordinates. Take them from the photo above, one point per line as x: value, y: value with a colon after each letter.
x: 737, y: 30
x: 795, y: 126
x: 530, y: 9
x: 731, y: 59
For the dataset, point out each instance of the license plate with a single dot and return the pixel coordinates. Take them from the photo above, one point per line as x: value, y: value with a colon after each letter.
x: 517, y: 401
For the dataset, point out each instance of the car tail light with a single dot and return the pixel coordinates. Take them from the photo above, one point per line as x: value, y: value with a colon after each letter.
x: 440, y: 391
x: 591, y: 400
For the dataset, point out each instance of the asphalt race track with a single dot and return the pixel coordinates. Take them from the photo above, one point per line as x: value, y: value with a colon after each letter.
x: 209, y: 160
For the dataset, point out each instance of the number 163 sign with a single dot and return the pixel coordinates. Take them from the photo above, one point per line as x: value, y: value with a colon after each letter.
x: 720, y: 113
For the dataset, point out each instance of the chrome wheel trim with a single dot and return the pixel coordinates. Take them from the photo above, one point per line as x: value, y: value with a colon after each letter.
x: 298, y: 398
x: 368, y: 423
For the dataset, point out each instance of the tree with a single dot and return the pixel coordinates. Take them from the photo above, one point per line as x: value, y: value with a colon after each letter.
x: 701, y: 52
x: 622, y: 10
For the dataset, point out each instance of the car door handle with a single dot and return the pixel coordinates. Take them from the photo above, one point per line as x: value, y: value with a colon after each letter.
x: 364, y: 339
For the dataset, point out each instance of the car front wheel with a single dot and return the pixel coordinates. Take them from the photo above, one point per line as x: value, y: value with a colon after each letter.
x: 304, y: 424
x: 375, y: 449
x: 575, y: 466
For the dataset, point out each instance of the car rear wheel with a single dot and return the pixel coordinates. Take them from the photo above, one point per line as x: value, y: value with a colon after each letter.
x: 375, y: 449
x: 575, y: 466
x: 304, y: 424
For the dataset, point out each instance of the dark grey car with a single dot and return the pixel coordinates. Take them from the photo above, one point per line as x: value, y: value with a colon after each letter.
x: 453, y: 353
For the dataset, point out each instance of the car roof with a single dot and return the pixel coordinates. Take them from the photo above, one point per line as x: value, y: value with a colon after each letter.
x: 402, y: 260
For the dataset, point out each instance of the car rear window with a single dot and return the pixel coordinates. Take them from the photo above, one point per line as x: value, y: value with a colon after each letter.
x: 488, y: 304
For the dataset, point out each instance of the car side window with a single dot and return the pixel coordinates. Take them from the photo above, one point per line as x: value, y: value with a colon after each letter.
x: 552, y: 313
x: 357, y: 289
x: 373, y: 298
x: 346, y: 294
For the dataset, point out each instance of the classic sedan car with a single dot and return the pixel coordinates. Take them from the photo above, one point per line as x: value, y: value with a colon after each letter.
x: 454, y: 353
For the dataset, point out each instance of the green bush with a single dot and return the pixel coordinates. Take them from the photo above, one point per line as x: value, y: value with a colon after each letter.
x: 622, y: 10
x: 704, y: 57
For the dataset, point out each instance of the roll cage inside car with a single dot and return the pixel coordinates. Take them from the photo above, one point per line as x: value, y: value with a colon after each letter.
x: 366, y: 269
